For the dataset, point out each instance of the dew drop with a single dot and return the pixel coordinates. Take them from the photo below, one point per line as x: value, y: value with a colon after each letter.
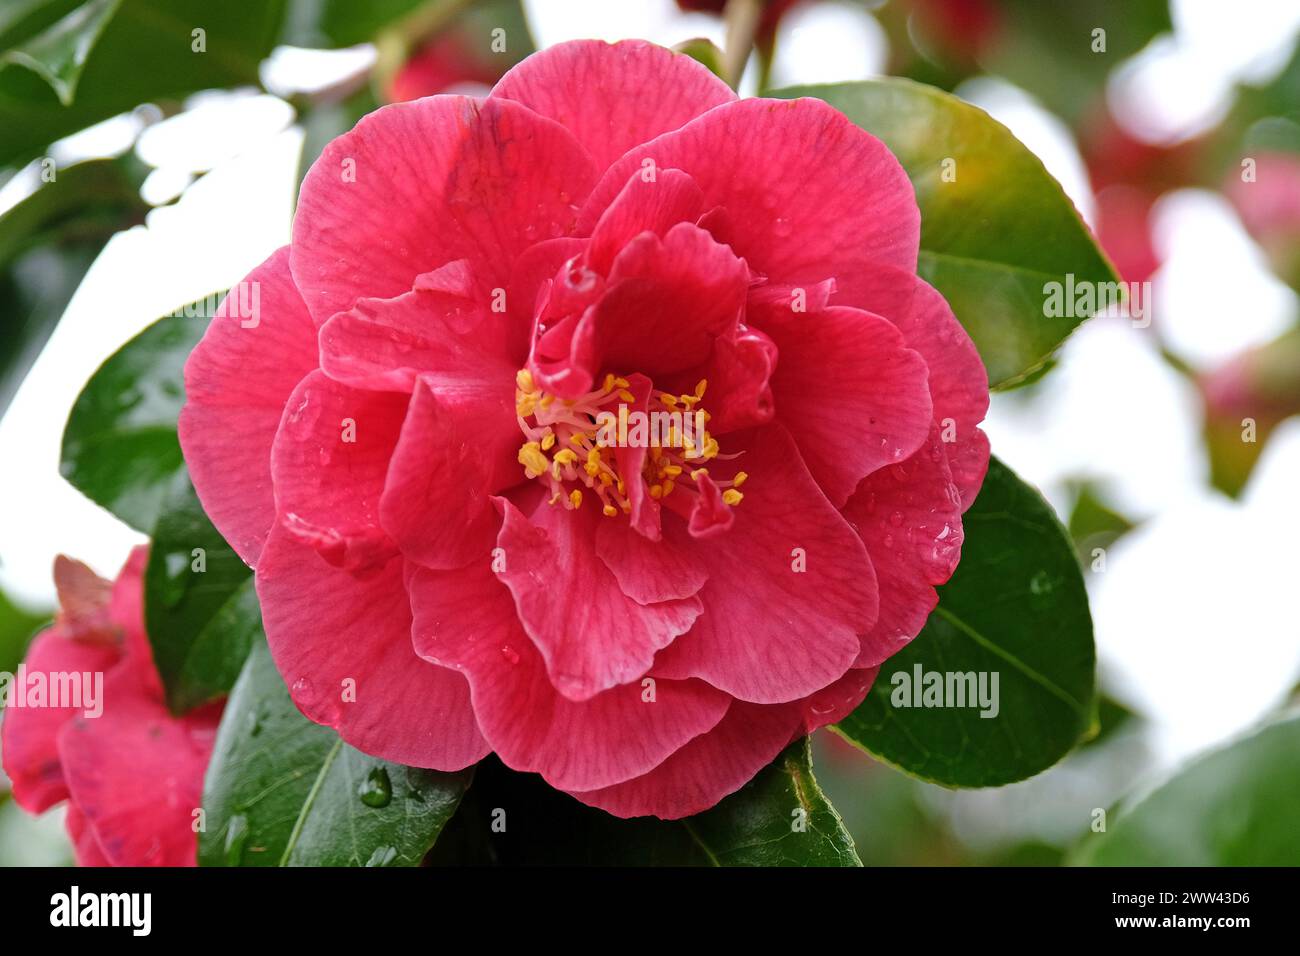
x: 509, y: 653
x: 376, y: 790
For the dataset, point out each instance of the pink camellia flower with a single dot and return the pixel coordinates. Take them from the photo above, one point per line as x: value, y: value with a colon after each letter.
x: 131, y: 772
x: 406, y: 442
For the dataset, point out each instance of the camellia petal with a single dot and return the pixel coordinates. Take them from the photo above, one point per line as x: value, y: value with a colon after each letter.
x: 343, y: 644
x: 466, y: 619
x: 237, y: 381
x: 591, y: 86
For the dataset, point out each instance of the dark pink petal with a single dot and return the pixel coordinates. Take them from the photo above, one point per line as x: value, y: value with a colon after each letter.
x: 790, y: 217
x: 330, y: 461
x: 450, y: 337
x: 770, y: 632
x: 236, y: 382
x: 909, y: 517
x: 591, y: 635
x: 665, y: 302
x: 959, y: 384
x: 832, y: 704
x: 85, y: 845
x: 342, y: 642
x: 466, y: 619
x: 740, y: 387
x: 649, y: 571
x: 136, y: 775
x: 852, y: 394
x: 613, y: 96
x: 645, y: 517
x: 417, y: 185
x: 29, y: 735
x: 456, y: 449
x: 705, y: 770
x: 643, y: 206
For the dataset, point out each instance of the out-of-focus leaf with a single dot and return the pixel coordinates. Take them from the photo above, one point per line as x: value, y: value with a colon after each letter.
x: 705, y: 52
x: 1016, y: 609
x: 1234, y: 806
x: 780, y: 818
x: 200, y: 610
x: 996, y: 228
x: 17, y: 627
x: 59, y: 53
x: 119, y: 446
x: 282, y: 791
x: 148, y: 51
x: 47, y: 242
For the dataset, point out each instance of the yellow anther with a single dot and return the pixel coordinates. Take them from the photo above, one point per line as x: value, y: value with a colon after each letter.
x: 609, y: 511
x: 566, y: 456
x: 698, y: 473
x: 668, y: 487
x: 576, y: 439
x: 739, y: 479
x: 710, y: 447
x: 656, y: 491
x: 606, y: 479
x: 689, y: 400
x: 732, y: 497
x: 622, y: 382
x: 626, y: 396
x: 531, y: 457
x: 575, y: 497
x: 524, y: 380
x: 672, y: 471
x: 608, y: 385
x: 670, y: 401
x: 700, y: 386
x: 526, y: 406
x: 547, y: 400
x: 548, y: 441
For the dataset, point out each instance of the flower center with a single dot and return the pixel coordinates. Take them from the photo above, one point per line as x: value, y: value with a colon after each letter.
x: 572, y: 445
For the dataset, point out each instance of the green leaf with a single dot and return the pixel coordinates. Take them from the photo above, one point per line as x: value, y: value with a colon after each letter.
x: 59, y: 54
x: 1015, y: 607
x: 47, y: 242
x: 780, y: 818
x: 1234, y: 806
x: 119, y: 446
x: 283, y: 791
x: 201, y: 612
x: 704, y: 52
x: 992, y: 238
x: 144, y: 54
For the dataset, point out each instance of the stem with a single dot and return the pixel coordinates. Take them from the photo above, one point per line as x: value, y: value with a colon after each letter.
x: 742, y: 18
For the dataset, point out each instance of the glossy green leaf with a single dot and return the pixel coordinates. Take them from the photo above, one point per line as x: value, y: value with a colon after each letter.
x: 201, y: 612
x: 780, y: 818
x: 119, y: 446
x: 282, y: 791
x: 996, y: 228
x: 1234, y: 806
x: 148, y: 51
x: 58, y: 54
x: 1015, y: 608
